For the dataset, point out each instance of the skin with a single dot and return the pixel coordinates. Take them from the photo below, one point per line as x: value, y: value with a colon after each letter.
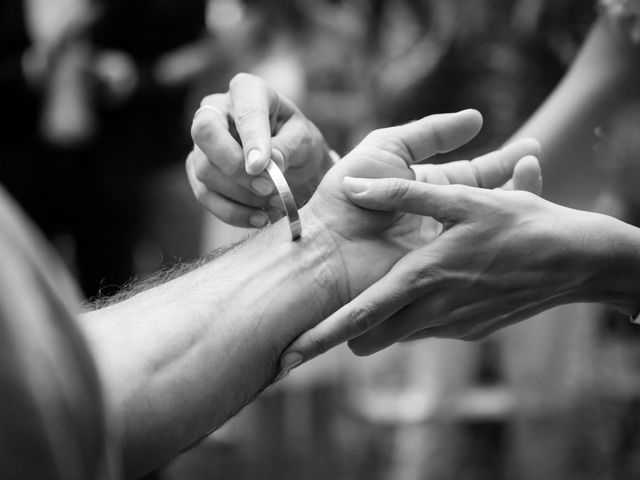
x: 179, y: 359
x: 603, y: 79
x: 232, y: 134
x: 582, y: 257
x: 503, y: 256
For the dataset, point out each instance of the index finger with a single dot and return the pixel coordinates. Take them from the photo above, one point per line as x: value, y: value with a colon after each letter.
x: 254, y: 104
x: 372, y: 307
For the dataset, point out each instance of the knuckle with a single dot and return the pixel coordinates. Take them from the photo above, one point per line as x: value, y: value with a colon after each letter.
x: 317, y: 345
x: 229, y: 169
x: 286, y: 149
x: 362, y: 318
x: 433, y: 131
x: 397, y: 189
x: 241, y: 78
x: 202, y: 130
x: 386, y: 140
x: 248, y: 113
x: 458, y: 197
x: 419, y: 278
x: 207, y: 100
x: 201, y: 171
x: 214, y: 99
x: 379, y: 137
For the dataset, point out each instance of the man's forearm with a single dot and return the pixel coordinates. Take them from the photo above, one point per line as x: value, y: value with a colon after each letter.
x: 181, y: 358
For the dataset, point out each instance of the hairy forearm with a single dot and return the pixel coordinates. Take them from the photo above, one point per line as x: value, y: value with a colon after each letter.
x: 179, y: 359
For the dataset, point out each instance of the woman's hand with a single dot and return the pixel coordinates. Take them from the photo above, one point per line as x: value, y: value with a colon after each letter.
x: 503, y: 256
x: 372, y: 241
x: 235, y: 135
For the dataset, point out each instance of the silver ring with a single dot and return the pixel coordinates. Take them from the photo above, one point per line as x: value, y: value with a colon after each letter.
x: 288, y: 201
x: 208, y: 107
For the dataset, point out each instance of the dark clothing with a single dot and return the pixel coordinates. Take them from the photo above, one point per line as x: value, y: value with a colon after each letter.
x: 52, y: 420
x: 20, y: 106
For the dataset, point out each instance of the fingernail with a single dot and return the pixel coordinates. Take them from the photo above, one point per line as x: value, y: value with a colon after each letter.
x: 288, y: 363
x: 252, y: 159
x: 258, y: 220
x: 262, y: 186
x: 276, y: 202
x: 357, y: 185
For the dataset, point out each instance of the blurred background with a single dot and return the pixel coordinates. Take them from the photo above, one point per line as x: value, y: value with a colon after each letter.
x: 97, y: 99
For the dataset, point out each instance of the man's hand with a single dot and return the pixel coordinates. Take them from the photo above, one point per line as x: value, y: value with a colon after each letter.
x: 235, y: 135
x: 178, y: 359
x: 371, y: 241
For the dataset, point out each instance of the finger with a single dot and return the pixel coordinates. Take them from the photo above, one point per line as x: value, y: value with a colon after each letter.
x: 370, y: 308
x: 479, y: 319
x: 217, y: 182
x: 254, y: 103
x: 527, y: 175
x: 211, y: 134
x: 430, y: 135
x: 414, y: 322
x: 469, y: 333
x: 493, y: 169
x: 292, y: 142
x: 225, y: 209
x: 488, y: 171
x: 445, y: 203
x: 218, y: 104
x: 253, y: 191
x: 407, y: 321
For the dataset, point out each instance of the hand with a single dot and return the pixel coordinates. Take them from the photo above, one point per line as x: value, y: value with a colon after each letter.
x: 233, y: 140
x: 371, y: 241
x: 503, y: 256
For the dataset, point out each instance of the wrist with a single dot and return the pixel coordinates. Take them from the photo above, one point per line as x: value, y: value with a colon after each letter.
x: 616, y: 278
x: 288, y: 286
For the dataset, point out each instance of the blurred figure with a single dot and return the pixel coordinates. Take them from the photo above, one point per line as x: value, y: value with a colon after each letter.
x: 98, y: 129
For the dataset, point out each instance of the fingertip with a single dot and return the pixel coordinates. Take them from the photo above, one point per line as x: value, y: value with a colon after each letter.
x: 527, y: 175
x: 469, y: 122
x: 529, y: 144
x: 256, y: 162
x: 535, y: 145
x: 288, y: 362
x: 472, y: 113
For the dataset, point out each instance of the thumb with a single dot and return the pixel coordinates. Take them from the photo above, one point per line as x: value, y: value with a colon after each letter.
x: 255, y: 158
x: 445, y: 203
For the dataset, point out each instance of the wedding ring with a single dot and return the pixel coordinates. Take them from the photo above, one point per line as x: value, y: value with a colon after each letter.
x: 289, y: 202
x: 208, y: 107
